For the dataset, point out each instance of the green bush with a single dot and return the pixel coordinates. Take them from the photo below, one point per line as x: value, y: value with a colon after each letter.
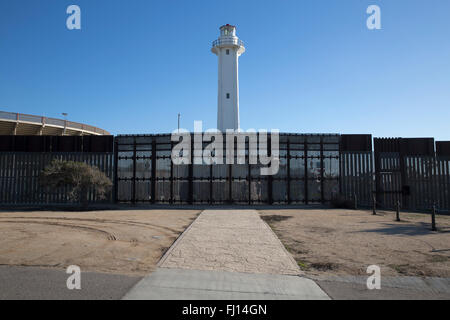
x: 79, y: 177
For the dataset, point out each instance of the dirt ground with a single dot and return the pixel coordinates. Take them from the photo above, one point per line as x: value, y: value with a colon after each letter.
x: 328, y: 242
x: 123, y: 242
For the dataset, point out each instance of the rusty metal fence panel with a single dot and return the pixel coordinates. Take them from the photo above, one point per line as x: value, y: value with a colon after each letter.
x: 443, y: 182
x: 415, y: 182
x: 19, y: 176
x: 428, y: 181
x: 357, y: 177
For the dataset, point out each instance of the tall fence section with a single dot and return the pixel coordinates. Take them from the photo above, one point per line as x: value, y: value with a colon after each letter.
x: 314, y: 168
x: 20, y: 176
x: 356, y: 177
x: 22, y: 159
x: 409, y: 172
x: 308, y: 173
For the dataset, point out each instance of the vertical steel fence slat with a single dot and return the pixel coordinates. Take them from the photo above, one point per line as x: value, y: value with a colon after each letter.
x: 305, y: 152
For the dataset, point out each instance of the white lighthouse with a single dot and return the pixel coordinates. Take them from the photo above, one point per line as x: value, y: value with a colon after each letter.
x: 228, y: 48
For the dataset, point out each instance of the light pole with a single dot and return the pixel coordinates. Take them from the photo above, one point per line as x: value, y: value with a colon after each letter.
x: 65, y: 122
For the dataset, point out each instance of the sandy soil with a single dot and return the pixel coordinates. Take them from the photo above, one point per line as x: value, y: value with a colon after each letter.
x: 123, y: 242
x: 345, y: 242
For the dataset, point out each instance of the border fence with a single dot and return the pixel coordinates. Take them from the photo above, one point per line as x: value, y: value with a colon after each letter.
x: 409, y: 172
x: 19, y: 176
x: 314, y: 168
x: 356, y: 177
x: 22, y: 158
x: 308, y: 173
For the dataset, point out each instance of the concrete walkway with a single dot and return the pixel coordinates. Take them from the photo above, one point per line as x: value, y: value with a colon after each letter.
x: 230, y: 240
x: 227, y: 254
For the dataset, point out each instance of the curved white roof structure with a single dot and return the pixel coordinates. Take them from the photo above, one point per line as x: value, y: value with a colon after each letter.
x: 25, y: 124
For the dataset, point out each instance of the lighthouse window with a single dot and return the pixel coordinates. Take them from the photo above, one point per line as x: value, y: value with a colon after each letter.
x: 228, y: 96
x: 228, y: 51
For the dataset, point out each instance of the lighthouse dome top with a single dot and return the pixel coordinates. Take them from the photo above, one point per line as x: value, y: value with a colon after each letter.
x: 228, y: 30
x: 228, y: 39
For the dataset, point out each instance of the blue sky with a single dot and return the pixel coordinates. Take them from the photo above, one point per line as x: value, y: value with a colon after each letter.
x: 310, y: 66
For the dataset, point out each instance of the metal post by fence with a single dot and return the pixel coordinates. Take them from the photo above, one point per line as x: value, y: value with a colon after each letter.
x: 397, y: 217
x: 433, y: 218
x: 374, y: 209
x: 356, y: 201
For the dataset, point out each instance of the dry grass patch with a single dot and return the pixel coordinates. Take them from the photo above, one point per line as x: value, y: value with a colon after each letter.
x: 346, y: 242
x: 122, y: 241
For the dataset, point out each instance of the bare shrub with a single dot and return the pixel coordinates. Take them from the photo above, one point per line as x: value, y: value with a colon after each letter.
x: 79, y: 177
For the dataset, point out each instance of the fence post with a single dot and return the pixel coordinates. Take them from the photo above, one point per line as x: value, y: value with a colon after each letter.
x: 433, y: 218
x: 133, y: 187
x: 116, y: 169
x: 356, y: 201
x: 397, y: 218
x: 305, y: 153
x: 374, y: 200
x: 191, y: 173
x: 154, y: 161
x: 171, y: 175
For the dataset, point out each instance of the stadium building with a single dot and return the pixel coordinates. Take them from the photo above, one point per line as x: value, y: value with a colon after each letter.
x: 25, y: 124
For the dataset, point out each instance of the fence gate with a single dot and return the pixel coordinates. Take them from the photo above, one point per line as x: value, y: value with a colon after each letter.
x: 403, y: 166
x: 389, y: 182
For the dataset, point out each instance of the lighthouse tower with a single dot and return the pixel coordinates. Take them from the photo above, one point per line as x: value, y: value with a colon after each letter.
x: 228, y: 48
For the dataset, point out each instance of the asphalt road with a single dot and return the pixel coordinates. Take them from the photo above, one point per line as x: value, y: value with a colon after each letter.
x: 27, y: 283
x: 34, y: 283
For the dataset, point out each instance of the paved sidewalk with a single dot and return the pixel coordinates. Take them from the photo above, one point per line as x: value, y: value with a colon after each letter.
x: 183, y: 284
x: 230, y: 240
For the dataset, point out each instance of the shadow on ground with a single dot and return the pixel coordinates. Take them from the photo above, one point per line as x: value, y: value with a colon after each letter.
x: 417, y: 229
